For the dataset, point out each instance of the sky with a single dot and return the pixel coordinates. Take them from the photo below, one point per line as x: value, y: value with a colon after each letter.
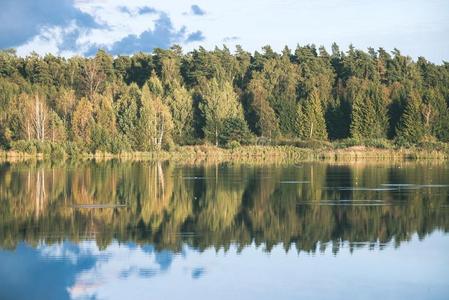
x: 81, y: 27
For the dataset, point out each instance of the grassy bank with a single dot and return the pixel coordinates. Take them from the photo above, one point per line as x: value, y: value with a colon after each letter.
x: 284, y: 153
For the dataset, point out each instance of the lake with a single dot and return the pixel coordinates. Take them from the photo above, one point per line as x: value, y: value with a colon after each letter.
x: 166, y: 230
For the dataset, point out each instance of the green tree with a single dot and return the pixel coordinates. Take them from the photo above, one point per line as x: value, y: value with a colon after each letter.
x: 310, y: 118
x: 180, y: 102
x: 282, y: 77
x: 411, y: 126
x: 56, y: 129
x: 127, y: 109
x: 155, y: 124
x: 218, y: 102
x: 264, y: 117
x: 369, y: 114
x: 235, y: 129
x: 82, y: 122
x: 105, y: 130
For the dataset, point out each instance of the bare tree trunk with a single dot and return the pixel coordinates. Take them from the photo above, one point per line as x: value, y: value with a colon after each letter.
x: 155, y: 129
x: 427, y: 115
x: 216, y: 136
x: 93, y: 77
x: 42, y: 123
x: 37, y: 124
x: 39, y: 119
x: 161, y: 135
x: 28, y: 130
x: 311, y: 130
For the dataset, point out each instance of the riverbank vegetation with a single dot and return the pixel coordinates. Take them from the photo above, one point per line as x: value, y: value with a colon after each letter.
x: 174, y: 102
x: 337, y: 151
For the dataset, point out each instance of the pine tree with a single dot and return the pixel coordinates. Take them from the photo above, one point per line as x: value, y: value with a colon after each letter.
x: 369, y: 115
x: 282, y: 78
x: 127, y: 109
x: 411, y: 126
x: 235, y: 129
x: 357, y: 115
x: 310, y: 118
x: 266, y: 124
x: 105, y: 130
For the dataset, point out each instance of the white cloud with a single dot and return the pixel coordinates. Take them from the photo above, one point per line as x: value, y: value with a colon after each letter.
x: 402, y: 24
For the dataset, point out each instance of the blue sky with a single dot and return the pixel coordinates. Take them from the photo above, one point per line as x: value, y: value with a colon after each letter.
x: 69, y: 27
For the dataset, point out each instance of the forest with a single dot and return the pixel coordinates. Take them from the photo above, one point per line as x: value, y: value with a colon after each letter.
x: 159, y: 100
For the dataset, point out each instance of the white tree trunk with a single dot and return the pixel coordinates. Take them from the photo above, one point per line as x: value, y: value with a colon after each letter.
x: 39, y: 119
x: 161, y: 135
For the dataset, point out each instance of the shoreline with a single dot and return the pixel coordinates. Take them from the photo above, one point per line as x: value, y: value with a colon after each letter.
x: 250, y: 154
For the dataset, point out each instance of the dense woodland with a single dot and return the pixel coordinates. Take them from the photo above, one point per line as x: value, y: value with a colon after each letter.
x: 154, y: 101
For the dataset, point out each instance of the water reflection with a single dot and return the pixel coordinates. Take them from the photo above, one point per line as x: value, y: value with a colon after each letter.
x: 68, y: 270
x: 220, y: 204
x: 105, y: 230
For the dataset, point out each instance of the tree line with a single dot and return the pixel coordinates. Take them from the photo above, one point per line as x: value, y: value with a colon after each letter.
x: 152, y: 101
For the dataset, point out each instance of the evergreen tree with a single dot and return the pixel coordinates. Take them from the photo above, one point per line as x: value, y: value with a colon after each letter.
x: 282, y: 77
x: 235, y: 129
x: 105, y: 130
x: 310, y: 118
x: 127, y: 108
x: 435, y: 112
x: 264, y: 117
x: 411, y: 127
x: 369, y: 115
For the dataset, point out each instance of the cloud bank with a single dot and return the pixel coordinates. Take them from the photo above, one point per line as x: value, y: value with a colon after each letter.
x: 25, y: 19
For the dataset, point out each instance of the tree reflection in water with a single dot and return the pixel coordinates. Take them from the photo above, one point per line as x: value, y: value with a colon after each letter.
x: 309, y: 207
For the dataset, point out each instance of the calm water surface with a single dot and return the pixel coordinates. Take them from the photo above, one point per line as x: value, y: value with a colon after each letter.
x: 148, y: 230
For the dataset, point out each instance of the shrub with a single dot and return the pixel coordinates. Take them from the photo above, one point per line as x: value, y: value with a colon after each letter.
x: 169, y: 145
x: 232, y: 145
x: 57, y: 151
x: 72, y: 149
x: 378, y: 143
x: 433, y: 145
x: 402, y: 143
x: 346, y: 143
x: 119, y: 144
x: 43, y: 147
x: 262, y: 141
x: 235, y: 129
x: 24, y: 146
